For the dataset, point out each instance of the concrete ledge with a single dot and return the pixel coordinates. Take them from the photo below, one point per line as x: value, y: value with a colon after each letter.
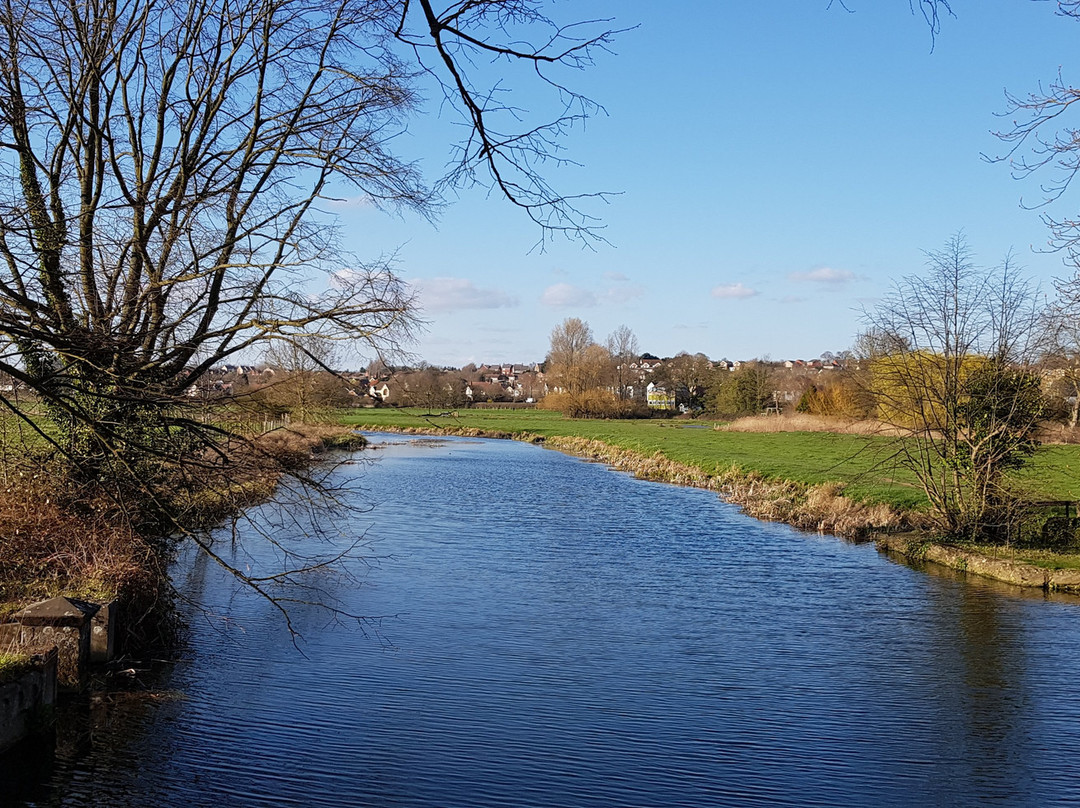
x: 1068, y: 580
x: 998, y: 569
x: 25, y: 702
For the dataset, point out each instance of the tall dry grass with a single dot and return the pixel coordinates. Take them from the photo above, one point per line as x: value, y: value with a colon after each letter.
x: 1058, y: 433
x: 59, y: 539
x: 803, y: 422
x: 593, y: 404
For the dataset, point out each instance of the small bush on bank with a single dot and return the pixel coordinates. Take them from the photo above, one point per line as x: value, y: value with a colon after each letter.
x: 594, y: 404
x: 842, y: 399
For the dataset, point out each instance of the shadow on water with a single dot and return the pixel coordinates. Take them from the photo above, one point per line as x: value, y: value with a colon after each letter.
x: 993, y: 665
x: 25, y: 772
x: 92, y: 738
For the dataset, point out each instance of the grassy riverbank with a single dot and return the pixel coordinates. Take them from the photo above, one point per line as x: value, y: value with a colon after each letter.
x: 858, y: 462
x: 846, y: 484
x: 862, y: 464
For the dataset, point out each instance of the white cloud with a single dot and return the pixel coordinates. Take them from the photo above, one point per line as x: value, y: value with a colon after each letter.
x: 456, y: 294
x: 732, y: 291
x: 623, y: 293
x: 824, y: 275
x: 563, y: 295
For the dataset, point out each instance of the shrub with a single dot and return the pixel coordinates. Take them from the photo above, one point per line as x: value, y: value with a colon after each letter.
x: 593, y: 404
x: 839, y: 399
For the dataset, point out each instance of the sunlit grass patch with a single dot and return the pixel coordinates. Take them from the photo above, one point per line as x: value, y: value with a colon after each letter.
x: 13, y: 665
x: 1047, y: 559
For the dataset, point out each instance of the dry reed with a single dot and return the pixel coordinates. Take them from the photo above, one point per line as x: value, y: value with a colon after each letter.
x: 801, y: 422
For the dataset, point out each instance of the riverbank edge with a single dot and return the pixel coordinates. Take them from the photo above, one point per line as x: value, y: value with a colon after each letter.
x: 815, y: 508
x: 818, y: 508
x: 1007, y: 570
x: 28, y: 688
x: 291, y: 448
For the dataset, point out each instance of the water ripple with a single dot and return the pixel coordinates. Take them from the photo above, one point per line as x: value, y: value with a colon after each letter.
x: 568, y: 636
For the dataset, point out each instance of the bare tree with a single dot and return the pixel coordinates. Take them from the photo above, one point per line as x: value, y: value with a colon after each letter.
x: 596, y: 367
x: 691, y: 373
x: 566, y: 360
x: 748, y: 390
x: 1062, y: 353
x: 167, y: 169
x: 504, y: 145
x: 953, y: 374
x: 432, y: 388
x: 623, y: 346
x: 931, y: 10
x: 1042, y: 139
x: 305, y: 378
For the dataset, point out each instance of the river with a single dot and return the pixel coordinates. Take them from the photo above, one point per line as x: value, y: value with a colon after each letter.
x: 549, y: 632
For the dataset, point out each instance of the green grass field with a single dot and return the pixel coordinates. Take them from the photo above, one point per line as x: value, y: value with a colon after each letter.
x: 864, y: 464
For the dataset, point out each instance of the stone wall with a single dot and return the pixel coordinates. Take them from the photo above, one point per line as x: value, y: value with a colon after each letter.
x: 82, y: 632
x: 999, y: 569
x: 65, y: 623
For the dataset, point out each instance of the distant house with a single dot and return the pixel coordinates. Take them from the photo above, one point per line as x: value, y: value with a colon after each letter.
x: 379, y: 391
x: 209, y: 388
x: 489, y: 391
x: 658, y: 398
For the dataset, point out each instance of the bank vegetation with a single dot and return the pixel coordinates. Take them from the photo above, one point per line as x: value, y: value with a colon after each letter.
x: 60, y: 538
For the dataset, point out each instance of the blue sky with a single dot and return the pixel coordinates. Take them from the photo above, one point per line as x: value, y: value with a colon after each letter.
x: 778, y: 165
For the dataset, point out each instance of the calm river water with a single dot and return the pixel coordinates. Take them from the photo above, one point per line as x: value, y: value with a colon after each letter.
x: 558, y: 634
